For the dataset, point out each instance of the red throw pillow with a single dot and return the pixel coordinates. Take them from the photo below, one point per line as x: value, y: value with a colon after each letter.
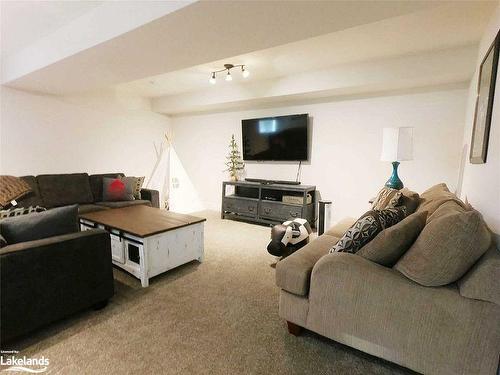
x: 116, y: 189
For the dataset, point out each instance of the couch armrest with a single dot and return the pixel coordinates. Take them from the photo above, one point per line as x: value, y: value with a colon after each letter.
x: 341, y: 227
x: 482, y: 280
x: 45, y: 280
x: 36, y: 244
x: 151, y: 195
x: 294, y: 272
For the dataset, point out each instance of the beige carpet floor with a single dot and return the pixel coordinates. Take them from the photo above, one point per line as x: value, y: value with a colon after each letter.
x: 217, y: 317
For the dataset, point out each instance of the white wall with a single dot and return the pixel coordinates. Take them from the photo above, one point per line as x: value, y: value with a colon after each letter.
x: 481, y: 182
x: 94, y: 134
x: 345, y: 154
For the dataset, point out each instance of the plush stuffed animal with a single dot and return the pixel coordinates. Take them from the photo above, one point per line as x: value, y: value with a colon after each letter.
x: 288, y: 237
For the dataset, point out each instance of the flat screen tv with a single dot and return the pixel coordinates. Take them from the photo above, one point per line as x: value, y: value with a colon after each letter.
x: 281, y: 138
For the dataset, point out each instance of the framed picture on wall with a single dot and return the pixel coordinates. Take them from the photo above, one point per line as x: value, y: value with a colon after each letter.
x: 484, y: 104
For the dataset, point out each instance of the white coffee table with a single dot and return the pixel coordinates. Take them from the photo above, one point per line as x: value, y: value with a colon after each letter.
x: 147, y: 241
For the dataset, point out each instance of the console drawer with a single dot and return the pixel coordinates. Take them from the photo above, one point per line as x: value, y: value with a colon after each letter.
x: 279, y: 211
x: 240, y: 206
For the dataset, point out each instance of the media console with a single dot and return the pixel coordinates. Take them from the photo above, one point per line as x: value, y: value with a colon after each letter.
x: 268, y: 203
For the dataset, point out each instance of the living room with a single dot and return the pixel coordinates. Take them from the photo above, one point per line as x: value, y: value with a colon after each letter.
x: 157, y: 90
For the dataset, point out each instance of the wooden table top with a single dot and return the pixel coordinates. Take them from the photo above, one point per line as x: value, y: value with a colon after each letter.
x: 141, y: 220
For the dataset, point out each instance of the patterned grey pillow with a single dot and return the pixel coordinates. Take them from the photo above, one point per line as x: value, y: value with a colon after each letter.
x: 20, y: 211
x: 367, y: 227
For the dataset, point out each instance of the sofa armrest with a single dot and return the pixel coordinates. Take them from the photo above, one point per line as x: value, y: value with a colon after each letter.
x: 36, y: 244
x: 294, y: 272
x: 151, y: 195
x: 341, y: 227
x: 482, y: 280
x: 45, y: 280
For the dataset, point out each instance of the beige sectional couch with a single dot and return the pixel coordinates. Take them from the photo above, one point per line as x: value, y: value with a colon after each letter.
x: 450, y: 329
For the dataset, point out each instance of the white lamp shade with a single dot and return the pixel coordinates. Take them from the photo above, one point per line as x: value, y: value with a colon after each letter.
x: 397, y: 144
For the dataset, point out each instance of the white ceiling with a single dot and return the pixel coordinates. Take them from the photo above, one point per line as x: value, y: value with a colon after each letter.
x: 444, y: 27
x: 199, y: 33
x: 24, y: 22
x: 293, y: 49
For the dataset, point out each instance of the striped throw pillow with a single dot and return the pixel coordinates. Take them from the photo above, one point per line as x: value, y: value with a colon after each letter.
x: 20, y: 211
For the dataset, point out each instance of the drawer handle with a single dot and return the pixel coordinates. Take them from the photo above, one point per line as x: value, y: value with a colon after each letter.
x: 267, y: 210
x: 293, y: 214
x: 250, y: 208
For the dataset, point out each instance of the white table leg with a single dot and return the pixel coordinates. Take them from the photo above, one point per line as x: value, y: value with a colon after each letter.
x: 144, y: 266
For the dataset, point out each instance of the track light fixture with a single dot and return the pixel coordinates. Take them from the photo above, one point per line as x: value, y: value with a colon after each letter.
x: 227, y: 68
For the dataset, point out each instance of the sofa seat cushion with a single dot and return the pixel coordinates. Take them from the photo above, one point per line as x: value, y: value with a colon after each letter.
x: 96, y: 184
x: 124, y: 203
x: 434, y: 197
x: 293, y: 273
x: 446, y: 248
x: 64, y: 189
x: 390, y: 244
x: 36, y: 226
x: 86, y: 208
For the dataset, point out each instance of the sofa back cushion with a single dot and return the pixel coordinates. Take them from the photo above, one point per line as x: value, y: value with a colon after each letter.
x: 64, y: 189
x: 390, y: 244
x: 432, y: 198
x: 35, y: 226
x: 447, y: 208
x: 96, y: 183
x: 33, y: 198
x: 446, y: 248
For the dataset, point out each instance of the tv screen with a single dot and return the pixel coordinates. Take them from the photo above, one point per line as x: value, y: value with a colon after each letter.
x: 275, y: 138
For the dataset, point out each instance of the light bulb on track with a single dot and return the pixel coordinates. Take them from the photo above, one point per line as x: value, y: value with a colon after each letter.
x: 228, y: 76
x: 212, y: 79
x: 244, y: 72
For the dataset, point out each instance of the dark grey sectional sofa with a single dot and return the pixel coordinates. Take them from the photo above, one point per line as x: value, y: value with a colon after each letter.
x: 54, y: 190
x: 45, y: 280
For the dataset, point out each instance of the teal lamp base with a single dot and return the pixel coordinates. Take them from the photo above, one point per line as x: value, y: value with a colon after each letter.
x: 394, y: 182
